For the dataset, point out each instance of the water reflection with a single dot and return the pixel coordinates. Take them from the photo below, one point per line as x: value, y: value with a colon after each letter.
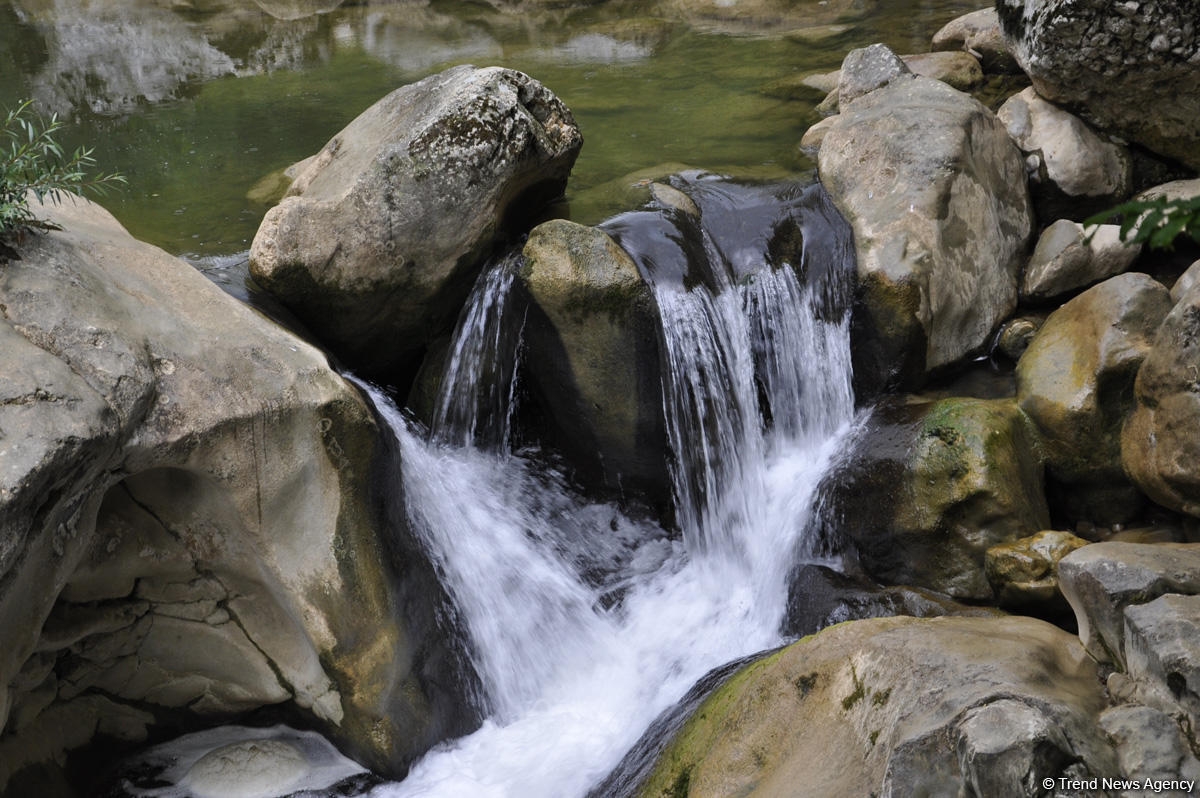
x: 197, y: 100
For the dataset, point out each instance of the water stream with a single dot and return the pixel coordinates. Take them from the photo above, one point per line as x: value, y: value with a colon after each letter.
x: 584, y: 625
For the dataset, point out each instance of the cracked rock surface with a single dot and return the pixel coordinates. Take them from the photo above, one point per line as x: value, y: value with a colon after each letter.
x: 187, y: 524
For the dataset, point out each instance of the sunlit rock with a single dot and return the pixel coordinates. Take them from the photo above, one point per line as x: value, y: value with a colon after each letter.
x: 978, y: 33
x: 897, y: 706
x: 378, y: 241
x: 1073, y: 171
x: 939, y: 248
x: 1069, y: 256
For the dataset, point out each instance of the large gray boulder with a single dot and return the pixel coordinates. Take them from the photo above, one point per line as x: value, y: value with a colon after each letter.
x: 1131, y: 69
x: 1101, y: 580
x: 936, y: 193
x: 377, y: 243
x: 897, y: 706
x: 1159, y: 445
x: 188, y: 524
x: 1075, y: 381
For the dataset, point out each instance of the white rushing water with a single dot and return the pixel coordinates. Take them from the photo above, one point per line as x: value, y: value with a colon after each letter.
x: 585, y: 625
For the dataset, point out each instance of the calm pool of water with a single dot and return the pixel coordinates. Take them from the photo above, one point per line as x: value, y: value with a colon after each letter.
x: 195, y: 101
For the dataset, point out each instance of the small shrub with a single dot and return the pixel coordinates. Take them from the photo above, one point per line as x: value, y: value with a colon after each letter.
x: 33, y: 162
x: 1157, y: 222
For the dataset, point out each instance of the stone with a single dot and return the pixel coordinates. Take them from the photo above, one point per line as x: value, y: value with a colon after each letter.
x: 960, y: 70
x: 378, y: 241
x: 1024, y: 573
x: 591, y: 337
x: 819, y: 597
x: 1150, y: 745
x: 896, y: 706
x: 929, y: 488
x: 1137, y: 77
x: 1186, y: 280
x: 939, y: 249
x: 1101, y: 580
x: 978, y: 33
x: 1075, y: 381
x: 1162, y: 646
x: 1159, y: 445
x: 867, y: 69
x: 1016, y: 335
x: 1073, y: 171
x: 810, y: 142
x: 165, y: 446
x: 1069, y: 256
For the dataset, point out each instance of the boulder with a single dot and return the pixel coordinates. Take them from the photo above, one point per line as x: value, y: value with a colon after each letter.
x: 819, y: 597
x: 1186, y: 280
x: 592, y: 346
x: 958, y: 69
x: 1162, y: 648
x: 897, y: 706
x: 1075, y: 381
x: 978, y: 33
x: 378, y: 241
x: 939, y: 248
x: 867, y: 69
x: 1073, y: 171
x: 1150, y: 745
x: 1016, y: 334
x: 1101, y: 580
x: 1137, y: 75
x: 1069, y: 256
x: 188, y: 519
x: 1159, y: 445
x: 1024, y: 573
x: 931, y: 487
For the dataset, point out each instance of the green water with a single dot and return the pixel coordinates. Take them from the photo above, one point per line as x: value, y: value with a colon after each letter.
x: 196, y: 103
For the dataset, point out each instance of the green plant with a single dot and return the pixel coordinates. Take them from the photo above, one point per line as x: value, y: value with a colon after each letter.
x: 1156, y: 222
x: 33, y: 162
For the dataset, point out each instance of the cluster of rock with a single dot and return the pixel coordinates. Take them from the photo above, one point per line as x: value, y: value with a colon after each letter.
x: 177, y: 549
x: 967, y: 226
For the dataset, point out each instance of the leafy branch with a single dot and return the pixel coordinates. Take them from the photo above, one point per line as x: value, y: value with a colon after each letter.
x: 1156, y: 222
x: 33, y: 162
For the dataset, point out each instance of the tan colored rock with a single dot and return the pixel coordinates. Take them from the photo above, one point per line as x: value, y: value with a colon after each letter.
x: 1073, y: 171
x: 1159, y: 445
x: 1075, y: 381
x: 896, y: 706
x: 1024, y: 573
x: 979, y: 34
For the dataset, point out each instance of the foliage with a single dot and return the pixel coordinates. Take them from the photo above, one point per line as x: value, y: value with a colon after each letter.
x: 1157, y: 222
x: 33, y: 162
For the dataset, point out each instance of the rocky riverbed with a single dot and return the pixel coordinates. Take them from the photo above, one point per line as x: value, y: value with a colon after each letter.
x: 202, y: 522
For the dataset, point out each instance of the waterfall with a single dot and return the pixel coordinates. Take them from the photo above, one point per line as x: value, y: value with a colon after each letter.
x: 584, y: 624
x: 476, y: 397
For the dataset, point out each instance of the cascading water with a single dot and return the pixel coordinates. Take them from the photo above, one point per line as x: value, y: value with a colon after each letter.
x: 475, y: 404
x: 583, y: 624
